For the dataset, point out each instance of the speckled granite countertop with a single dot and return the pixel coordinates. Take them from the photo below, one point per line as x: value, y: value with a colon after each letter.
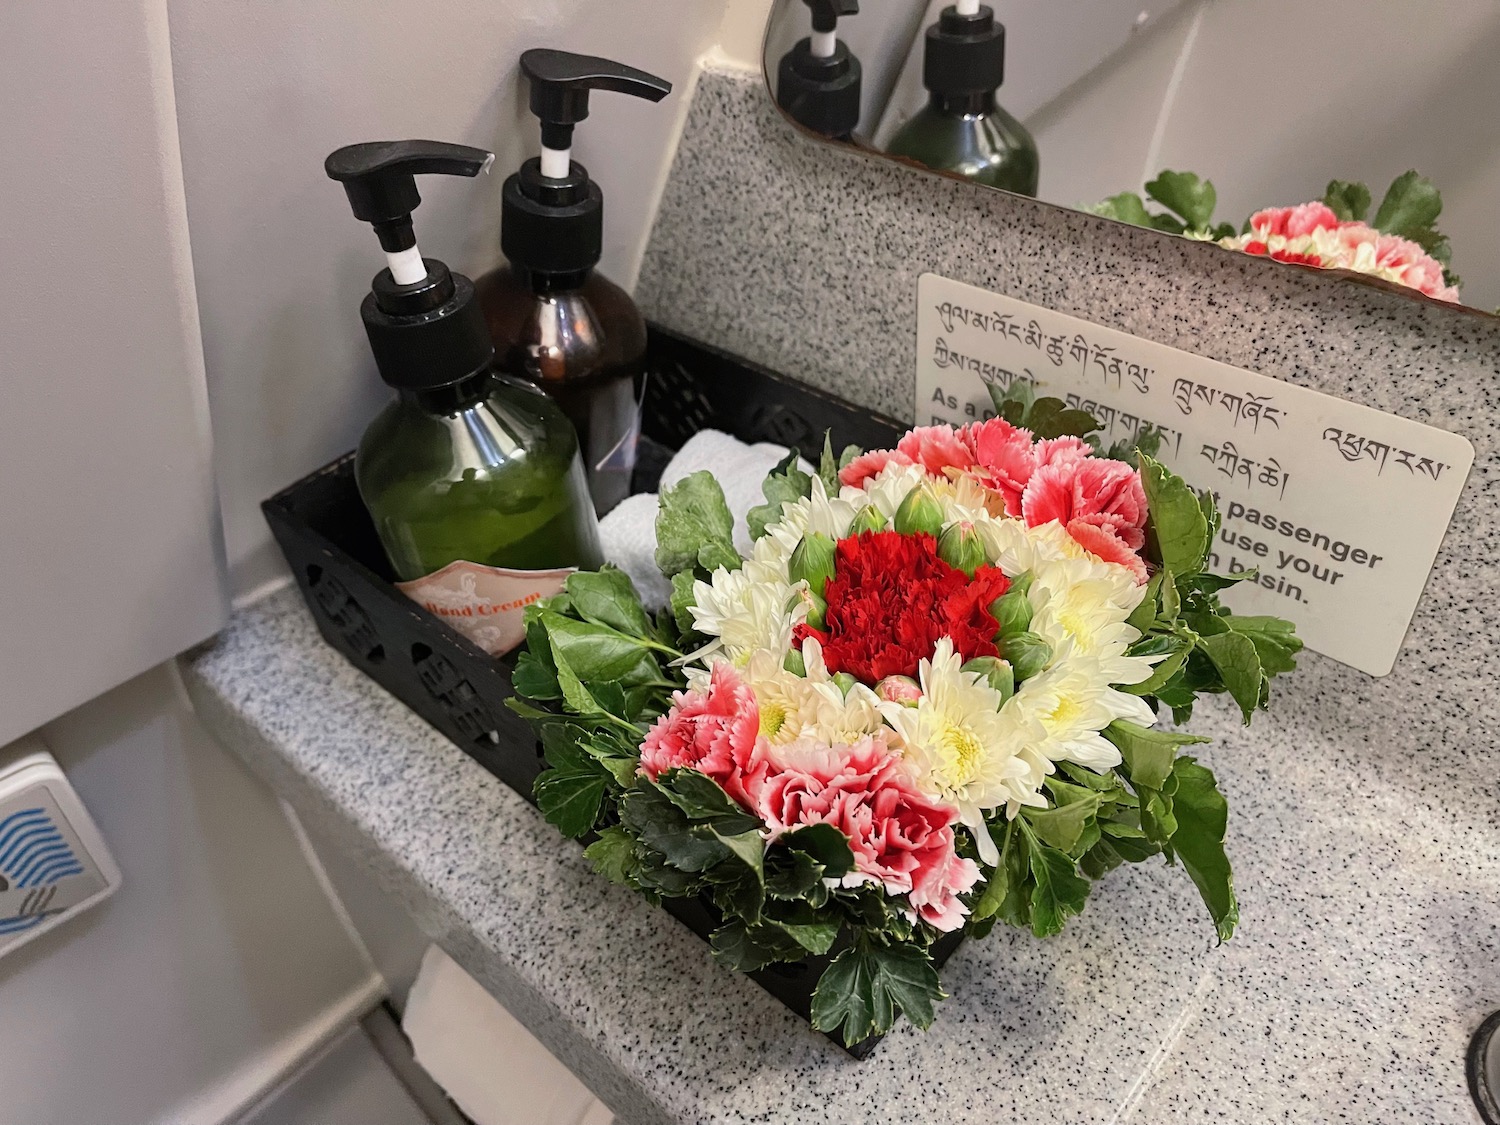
x: 1367, y: 954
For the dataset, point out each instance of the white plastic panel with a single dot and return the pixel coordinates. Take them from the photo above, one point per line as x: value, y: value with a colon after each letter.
x: 109, y: 535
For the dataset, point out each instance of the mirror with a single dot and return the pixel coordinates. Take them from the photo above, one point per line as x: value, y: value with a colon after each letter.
x: 1361, y: 134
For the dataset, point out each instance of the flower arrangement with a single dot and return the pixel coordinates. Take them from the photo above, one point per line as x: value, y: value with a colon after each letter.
x: 1400, y: 244
x: 925, y: 702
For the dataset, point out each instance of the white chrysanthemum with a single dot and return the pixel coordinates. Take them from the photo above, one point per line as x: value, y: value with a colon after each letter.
x: 965, y: 748
x: 1081, y: 605
x: 886, y: 489
x: 830, y: 515
x: 1072, y: 703
x: 808, y: 713
x: 747, y: 610
x: 1018, y: 549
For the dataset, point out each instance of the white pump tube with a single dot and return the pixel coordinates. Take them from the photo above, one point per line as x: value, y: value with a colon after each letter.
x: 406, y: 266
x: 968, y: 7
x: 556, y: 162
x: 824, y: 44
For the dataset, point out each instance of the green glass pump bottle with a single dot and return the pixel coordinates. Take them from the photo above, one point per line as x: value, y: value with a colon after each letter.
x: 473, y: 479
x: 819, y: 81
x: 963, y: 129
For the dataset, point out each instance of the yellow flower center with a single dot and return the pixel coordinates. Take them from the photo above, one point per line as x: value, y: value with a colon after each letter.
x: 962, y: 749
x: 1065, y: 714
x: 772, y: 719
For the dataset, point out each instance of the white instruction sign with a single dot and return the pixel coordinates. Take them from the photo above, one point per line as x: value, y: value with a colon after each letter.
x: 1341, y: 508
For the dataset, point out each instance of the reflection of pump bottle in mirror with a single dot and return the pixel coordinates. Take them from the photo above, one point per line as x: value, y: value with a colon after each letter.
x: 554, y: 318
x: 962, y: 129
x: 473, y: 479
x: 818, y: 82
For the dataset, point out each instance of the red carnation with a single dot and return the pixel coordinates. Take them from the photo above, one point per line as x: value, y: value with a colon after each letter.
x: 891, y: 599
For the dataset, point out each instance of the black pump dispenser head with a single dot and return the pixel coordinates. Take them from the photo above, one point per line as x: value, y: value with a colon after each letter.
x: 965, y: 52
x: 552, y: 216
x: 425, y: 326
x: 818, y: 83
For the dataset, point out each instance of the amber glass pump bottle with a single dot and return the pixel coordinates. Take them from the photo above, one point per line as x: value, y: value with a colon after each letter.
x: 554, y: 318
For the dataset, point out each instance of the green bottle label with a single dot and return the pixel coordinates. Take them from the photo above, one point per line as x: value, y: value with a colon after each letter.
x: 484, y: 603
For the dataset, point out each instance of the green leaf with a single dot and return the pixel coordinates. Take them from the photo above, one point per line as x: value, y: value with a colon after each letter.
x: 1063, y: 825
x: 1171, y: 601
x: 703, y: 800
x: 597, y: 653
x: 792, y: 874
x: 613, y: 855
x: 1238, y: 663
x: 650, y: 815
x: 1027, y: 653
x: 571, y: 792
x: 1177, y: 518
x: 1202, y: 819
x: 1276, y: 641
x: 535, y: 678
x: 1144, y: 615
x: 1148, y: 753
x: 608, y: 597
x: 865, y: 986
x: 576, y: 697
x: 682, y: 599
x: 1183, y: 192
x: 693, y: 516
x: 1410, y: 207
x: 1012, y: 403
x: 745, y: 948
x: 997, y: 885
x: 1349, y: 201
x: 824, y: 843
x: 1162, y: 674
x: 786, y: 483
x: 747, y: 847
x: 810, y: 930
x: 1127, y: 207
x: 1168, y: 223
x: 828, y: 465
x: 1059, y: 890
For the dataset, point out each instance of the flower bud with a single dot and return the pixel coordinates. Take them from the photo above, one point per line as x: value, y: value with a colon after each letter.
x: 1012, y: 610
x: 868, y: 518
x: 920, y: 512
x: 961, y: 549
x: 844, y: 681
x: 1028, y: 654
x: 817, y: 610
x: 794, y: 663
x: 899, y: 689
x: 996, y: 672
x: 812, y: 561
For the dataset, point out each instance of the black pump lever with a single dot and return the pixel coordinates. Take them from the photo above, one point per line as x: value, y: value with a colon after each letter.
x: 560, y: 85
x: 826, y: 13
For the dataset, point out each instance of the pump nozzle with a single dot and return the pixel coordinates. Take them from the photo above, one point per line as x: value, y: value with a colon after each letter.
x: 825, y: 23
x: 560, y: 86
x: 380, y: 179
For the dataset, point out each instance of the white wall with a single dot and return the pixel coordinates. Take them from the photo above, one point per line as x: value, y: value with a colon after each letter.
x: 1270, y: 99
x: 217, y: 964
x: 266, y: 90
x: 109, y: 538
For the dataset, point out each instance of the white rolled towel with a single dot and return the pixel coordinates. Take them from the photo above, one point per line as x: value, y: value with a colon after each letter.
x: 628, y: 533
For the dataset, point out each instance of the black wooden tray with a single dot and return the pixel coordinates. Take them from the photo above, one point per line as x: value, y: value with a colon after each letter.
x: 330, y: 543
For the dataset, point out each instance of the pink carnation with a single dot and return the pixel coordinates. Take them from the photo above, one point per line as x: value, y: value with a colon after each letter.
x: 715, y: 733
x: 1095, y: 493
x: 1004, y: 459
x: 1293, y: 222
x: 870, y: 464
x: 899, y: 837
x: 937, y: 449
